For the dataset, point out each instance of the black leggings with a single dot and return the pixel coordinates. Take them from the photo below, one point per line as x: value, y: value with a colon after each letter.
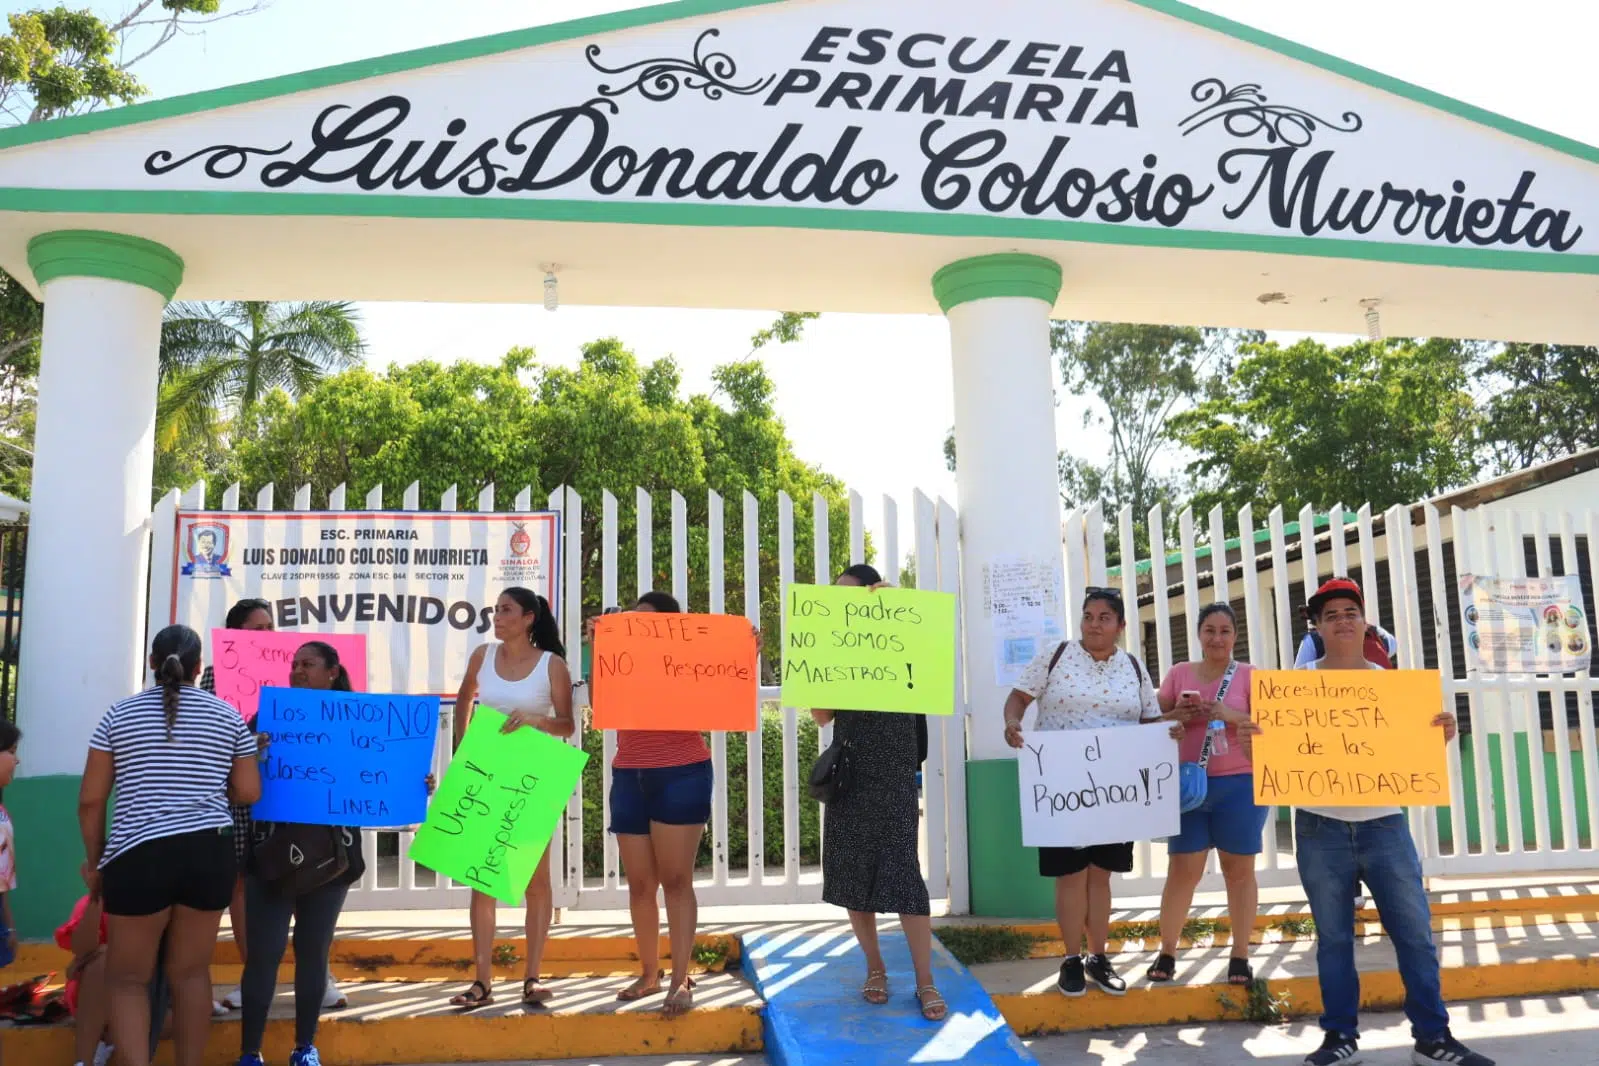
x: 266, y: 928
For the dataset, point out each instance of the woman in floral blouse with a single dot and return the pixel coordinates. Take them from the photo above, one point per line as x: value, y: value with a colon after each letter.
x: 1085, y: 684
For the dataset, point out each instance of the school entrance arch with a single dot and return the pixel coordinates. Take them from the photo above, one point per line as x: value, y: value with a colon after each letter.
x: 1133, y: 160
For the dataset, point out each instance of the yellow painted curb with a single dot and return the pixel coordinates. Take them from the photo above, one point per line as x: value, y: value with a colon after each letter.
x: 1042, y: 1013
x: 464, y: 1038
x: 424, y: 959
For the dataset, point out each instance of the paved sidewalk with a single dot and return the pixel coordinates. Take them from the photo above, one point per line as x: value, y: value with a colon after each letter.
x: 1512, y: 1032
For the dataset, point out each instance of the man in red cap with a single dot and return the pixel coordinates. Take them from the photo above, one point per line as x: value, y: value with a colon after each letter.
x: 1381, y: 647
x: 1339, y: 847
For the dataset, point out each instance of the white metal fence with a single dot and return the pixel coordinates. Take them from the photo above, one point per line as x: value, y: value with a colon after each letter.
x: 1407, y: 560
x: 1525, y: 798
x: 393, y: 883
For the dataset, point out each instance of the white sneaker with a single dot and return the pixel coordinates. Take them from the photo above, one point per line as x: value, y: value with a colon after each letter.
x: 333, y: 998
x: 233, y: 1000
x: 103, y: 1053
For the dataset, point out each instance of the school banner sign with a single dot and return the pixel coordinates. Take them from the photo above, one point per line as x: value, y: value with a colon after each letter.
x: 420, y: 586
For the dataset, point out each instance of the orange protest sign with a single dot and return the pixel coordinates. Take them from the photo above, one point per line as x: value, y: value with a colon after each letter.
x: 675, y: 671
x: 1349, y: 738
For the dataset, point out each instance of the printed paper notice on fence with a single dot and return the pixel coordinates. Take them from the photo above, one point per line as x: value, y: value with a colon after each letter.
x: 1082, y: 787
x: 1349, y: 738
x: 675, y: 671
x: 1022, y: 598
x: 497, y: 808
x: 1526, y: 625
x: 852, y: 649
x: 345, y: 758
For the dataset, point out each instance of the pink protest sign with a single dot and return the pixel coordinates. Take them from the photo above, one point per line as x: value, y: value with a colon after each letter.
x: 245, y: 661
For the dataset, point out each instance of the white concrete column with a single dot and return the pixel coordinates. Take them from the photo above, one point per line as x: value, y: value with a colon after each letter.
x: 84, y: 595
x: 1006, y: 473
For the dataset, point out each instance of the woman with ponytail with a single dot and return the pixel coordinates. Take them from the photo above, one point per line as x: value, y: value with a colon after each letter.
x: 524, y: 676
x: 176, y: 757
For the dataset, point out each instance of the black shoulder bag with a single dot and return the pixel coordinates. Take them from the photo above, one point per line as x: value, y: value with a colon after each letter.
x: 834, y: 771
x: 294, y: 859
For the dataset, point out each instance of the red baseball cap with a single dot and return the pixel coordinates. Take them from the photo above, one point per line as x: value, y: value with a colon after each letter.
x: 1336, y: 589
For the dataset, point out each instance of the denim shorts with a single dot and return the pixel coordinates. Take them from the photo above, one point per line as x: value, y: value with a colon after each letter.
x: 670, y: 795
x: 1228, y: 820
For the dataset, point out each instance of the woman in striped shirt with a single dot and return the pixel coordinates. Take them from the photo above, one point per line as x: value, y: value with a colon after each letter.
x: 660, y: 801
x: 176, y: 757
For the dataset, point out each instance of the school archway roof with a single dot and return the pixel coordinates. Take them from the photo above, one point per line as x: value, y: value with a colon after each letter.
x: 832, y: 154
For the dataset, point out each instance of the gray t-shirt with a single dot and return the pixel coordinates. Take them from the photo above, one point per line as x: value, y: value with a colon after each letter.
x: 1349, y: 814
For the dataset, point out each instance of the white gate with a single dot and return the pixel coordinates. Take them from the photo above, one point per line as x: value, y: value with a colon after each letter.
x: 1509, y: 751
x: 587, y: 873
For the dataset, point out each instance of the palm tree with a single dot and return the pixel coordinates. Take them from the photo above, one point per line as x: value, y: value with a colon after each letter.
x: 218, y: 360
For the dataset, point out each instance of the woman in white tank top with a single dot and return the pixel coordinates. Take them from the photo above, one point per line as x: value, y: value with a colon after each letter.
x: 524, y: 676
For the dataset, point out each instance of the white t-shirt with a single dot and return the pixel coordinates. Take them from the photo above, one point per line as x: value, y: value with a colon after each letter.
x: 1349, y: 814
x: 530, y: 695
x: 1084, y: 693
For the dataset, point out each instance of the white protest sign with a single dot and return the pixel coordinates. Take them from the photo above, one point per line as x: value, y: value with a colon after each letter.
x: 1081, y: 787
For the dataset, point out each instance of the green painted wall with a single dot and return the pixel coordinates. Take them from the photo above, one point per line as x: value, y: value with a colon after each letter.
x: 44, y: 811
x: 1496, y: 771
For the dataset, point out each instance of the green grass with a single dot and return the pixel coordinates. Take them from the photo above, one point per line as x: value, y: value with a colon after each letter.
x: 973, y: 945
x: 1295, y: 926
x: 1261, y: 1006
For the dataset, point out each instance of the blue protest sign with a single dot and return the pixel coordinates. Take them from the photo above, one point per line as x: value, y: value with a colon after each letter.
x: 345, y: 758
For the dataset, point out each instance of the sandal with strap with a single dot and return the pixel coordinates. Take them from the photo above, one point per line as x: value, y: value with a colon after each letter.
x: 932, y: 1003
x: 535, y: 994
x: 679, y: 1001
x: 1239, y: 972
x: 477, y: 995
x: 1163, y: 969
x: 875, y: 990
x: 643, y: 988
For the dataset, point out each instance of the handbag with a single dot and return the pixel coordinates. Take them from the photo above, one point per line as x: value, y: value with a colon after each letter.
x: 1193, y: 782
x: 293, y: 859
x: 834, y: 772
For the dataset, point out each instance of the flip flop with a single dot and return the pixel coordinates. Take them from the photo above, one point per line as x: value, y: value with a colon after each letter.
x: 1239, y: 972
x: 1163, y: 969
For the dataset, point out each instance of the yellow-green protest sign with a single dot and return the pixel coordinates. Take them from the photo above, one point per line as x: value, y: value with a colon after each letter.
x: 1349, y: 738
x: 497, y: 807
x: 853, y: 649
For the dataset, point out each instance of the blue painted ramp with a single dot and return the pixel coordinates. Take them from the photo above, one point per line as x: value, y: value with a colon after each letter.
x: 811, y: 980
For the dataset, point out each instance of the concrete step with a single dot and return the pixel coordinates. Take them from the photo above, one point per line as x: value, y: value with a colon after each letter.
x: 412, y: 1021
x: 1534, y: 958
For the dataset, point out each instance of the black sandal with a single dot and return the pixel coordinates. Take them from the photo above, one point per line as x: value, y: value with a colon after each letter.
x: 1240, y: 973
x: 477, y: 995
x: 1164, y: 965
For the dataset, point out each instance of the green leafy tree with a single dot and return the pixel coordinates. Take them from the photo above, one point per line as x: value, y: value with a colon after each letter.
x: 1544, y: 403
x: 222, y: 359
x: 1382, y: 422
x: 607, y: 424
x: 56, y: 61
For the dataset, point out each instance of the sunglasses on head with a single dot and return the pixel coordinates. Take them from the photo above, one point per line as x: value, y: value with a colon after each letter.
x: 1095, y: 592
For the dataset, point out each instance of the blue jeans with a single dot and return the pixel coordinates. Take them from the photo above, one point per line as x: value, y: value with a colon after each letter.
x: 1334, y: 857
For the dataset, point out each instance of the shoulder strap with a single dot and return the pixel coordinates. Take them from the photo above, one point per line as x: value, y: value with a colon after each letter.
x: 1226, y: 681
x: 1138, y: 667
x: 1056, y: 658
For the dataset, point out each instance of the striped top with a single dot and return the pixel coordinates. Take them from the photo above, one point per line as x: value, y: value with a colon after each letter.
x: 167, y: 787
x: 654, y: 749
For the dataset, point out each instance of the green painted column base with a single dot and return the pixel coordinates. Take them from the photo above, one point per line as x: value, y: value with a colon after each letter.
x: 1004, y: 874
x: 44, y: 813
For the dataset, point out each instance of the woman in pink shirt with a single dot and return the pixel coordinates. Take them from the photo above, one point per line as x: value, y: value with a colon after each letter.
x: 1211, y: 698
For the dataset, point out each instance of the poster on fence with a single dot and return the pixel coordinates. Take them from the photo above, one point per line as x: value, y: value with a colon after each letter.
x: 1349, y: 738
x: 497, y: 808
x: 345, y: 758
x: 1525, y: 625
x: 1025, y: 599
x: 852, y: 649
x: 1082, y: 787
x: 675, y: 671
x: 421, y: 587
x: 249, y: 660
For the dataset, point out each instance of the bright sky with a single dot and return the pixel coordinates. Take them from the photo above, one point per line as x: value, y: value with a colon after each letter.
x: 1531, y: 61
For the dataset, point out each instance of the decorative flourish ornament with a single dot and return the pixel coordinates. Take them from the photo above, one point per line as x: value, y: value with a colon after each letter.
x: 710, y: 73
x: 1245, y: 112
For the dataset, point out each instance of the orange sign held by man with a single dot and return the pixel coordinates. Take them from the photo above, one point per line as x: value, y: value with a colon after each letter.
x: 691, y: 672
x: 1349, y: 738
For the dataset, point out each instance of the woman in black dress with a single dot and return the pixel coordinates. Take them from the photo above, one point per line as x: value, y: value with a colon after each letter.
x: 870, y: 859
